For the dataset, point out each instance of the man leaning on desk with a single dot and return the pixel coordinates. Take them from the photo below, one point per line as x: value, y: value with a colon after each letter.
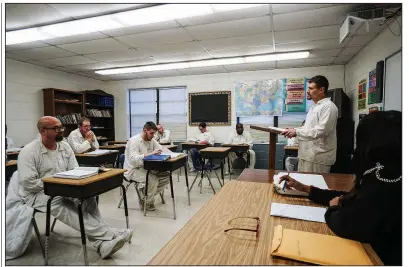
x: 318, y: 137
x: 47, y: 156
x: 83, y: 139
x: 241, y: 137
x: 162, y: 136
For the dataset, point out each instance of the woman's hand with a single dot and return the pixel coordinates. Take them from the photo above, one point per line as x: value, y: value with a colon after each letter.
x: 295, y: 184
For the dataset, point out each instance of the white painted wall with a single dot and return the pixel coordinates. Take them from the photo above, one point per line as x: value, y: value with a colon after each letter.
x: 24, y: 95
x: 211, y: 82
x: 359, y: 67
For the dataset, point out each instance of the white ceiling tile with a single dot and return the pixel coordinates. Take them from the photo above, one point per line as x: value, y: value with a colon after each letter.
x: 343, y: 59
x: 324, y: 53
x: 182, y: 57
x: 76, y: 38
x: 25, y: 15
x: 226, y: 16
x: 43, y: 53
x: 231, y: 28
x: 143, y: 28
x: 251, y: 66
x: 43, y: 64
x: 312, y: 18
x: 64, y: 69
x: 305, y: 35
x: 91, y: 66
x: 350, y: 50
x: 204, y: 70
x: 117, y: 55
x: 172, y: 49
x: 266, y: 49
x: 308, y: 62
x: 238, y: 42
x: 81, y: 10
x: 28, y: 45
x: 317, y: 44
x: 134, y: 62
x: 94, y: 46
x: 286, y: 8
x: 177, y: 35
x: 17, y: 57
x: 67, y: 61
x: 158, y: 74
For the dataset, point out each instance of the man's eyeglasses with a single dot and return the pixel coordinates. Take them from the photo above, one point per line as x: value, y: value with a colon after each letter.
x: 254, y: 228
x: 57, y: 129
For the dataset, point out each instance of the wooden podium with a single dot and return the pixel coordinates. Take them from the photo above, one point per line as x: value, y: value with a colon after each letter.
x: 272, y: 145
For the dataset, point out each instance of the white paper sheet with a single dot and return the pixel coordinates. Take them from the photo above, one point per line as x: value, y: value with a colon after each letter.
x: 305, y: 213
x: 307, y: 179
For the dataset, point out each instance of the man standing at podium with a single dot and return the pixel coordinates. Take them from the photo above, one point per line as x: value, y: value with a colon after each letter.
x: 318, y: 137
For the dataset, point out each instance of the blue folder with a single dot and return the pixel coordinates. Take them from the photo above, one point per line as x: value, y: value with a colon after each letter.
x: 157, y: 157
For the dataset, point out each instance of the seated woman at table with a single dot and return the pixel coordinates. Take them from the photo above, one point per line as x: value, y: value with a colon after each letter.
x: 372, y: 211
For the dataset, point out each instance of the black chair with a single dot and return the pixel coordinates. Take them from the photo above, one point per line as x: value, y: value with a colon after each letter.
x: 197, y: 161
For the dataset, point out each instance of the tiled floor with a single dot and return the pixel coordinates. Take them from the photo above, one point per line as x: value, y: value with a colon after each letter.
x: 151, y: 233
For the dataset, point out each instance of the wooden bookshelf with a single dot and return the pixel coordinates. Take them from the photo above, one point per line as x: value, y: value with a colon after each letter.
x: 60, y: 102
x: 107, y: 121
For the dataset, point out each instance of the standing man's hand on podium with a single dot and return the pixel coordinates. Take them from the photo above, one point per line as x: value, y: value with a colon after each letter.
x: 289, y: 133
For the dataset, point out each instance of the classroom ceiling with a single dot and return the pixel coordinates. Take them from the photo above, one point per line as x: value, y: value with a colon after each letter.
x: 256, y: 30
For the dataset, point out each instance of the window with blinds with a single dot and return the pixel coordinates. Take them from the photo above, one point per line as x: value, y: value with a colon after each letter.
x: 167, y: 106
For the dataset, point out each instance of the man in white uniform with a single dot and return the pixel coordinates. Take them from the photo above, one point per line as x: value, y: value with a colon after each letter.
x: 83, y: 139
x: 204, y: 137
x: 162, y: 136
x: 43, y: 158
x: 240, y: 137
x: 138, y: 147
x: 318, y: 137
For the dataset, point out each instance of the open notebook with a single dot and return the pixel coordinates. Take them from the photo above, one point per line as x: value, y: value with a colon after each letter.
x: 78, y: 173
x: 307, y: 179
x: 101, y: 152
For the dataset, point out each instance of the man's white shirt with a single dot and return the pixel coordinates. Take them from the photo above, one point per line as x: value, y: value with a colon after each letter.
x: 244, y: 138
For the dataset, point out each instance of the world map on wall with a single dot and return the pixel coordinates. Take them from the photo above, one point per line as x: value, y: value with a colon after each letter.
x: 265, y: 97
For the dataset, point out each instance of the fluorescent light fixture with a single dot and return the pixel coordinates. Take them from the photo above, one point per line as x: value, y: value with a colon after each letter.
x: 229, y: 7
x: 142, y: 16
x: 162, y: 13
x: 207, y: 63
x: 101, y: 23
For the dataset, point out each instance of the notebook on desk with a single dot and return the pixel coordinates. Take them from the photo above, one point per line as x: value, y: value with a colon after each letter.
x: 157, y: 157
x: 78, y: 173
x: 307, y: 179
x: 317, y: 248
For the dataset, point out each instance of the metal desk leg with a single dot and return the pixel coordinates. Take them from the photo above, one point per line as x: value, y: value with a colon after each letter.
x: 83, y: 238
x: 201, y: 180
x: 228, y: 164
x: 126, y: 207
x: 173, y: 197
x: 146, y: 193
x: 248, y: 159
x: 222, y: 168
x: 47, y: 229
x: 187, y: 184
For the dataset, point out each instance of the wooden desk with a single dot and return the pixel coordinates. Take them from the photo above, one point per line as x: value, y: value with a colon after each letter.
x: 13, y: 155
x: 119, y: 147
x: 11, y: 167
x: 291, y: 148
x: 189, y: 145
x: 96, y: 160
x: 117, y: 142
x: 171, y: 147
x: 215, y: 153
x: 169, y: 165
x: 289, y: 151
x: 239, y: 150
x: 82, y: 189
x: 202, y: 240
x: 164, y: 144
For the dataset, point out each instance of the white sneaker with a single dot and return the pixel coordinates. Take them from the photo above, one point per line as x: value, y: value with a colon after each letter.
x: 126, y: 233
x: 107, y: 248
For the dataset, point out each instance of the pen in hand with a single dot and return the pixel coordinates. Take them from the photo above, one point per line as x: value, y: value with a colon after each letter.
x: 285, y: 182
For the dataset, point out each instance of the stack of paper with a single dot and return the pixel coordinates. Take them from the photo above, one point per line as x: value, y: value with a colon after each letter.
x: 305, y: 213
x: 101, y: 152
x: 172, y: 154
x: 15, y: 149
x: 307, y: 179
x: 78, y: 173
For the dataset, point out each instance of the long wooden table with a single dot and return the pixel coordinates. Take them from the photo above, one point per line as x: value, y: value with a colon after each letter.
x: 202, y: 240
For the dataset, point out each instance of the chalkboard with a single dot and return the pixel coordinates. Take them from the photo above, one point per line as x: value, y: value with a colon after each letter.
x: 214, y: 108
